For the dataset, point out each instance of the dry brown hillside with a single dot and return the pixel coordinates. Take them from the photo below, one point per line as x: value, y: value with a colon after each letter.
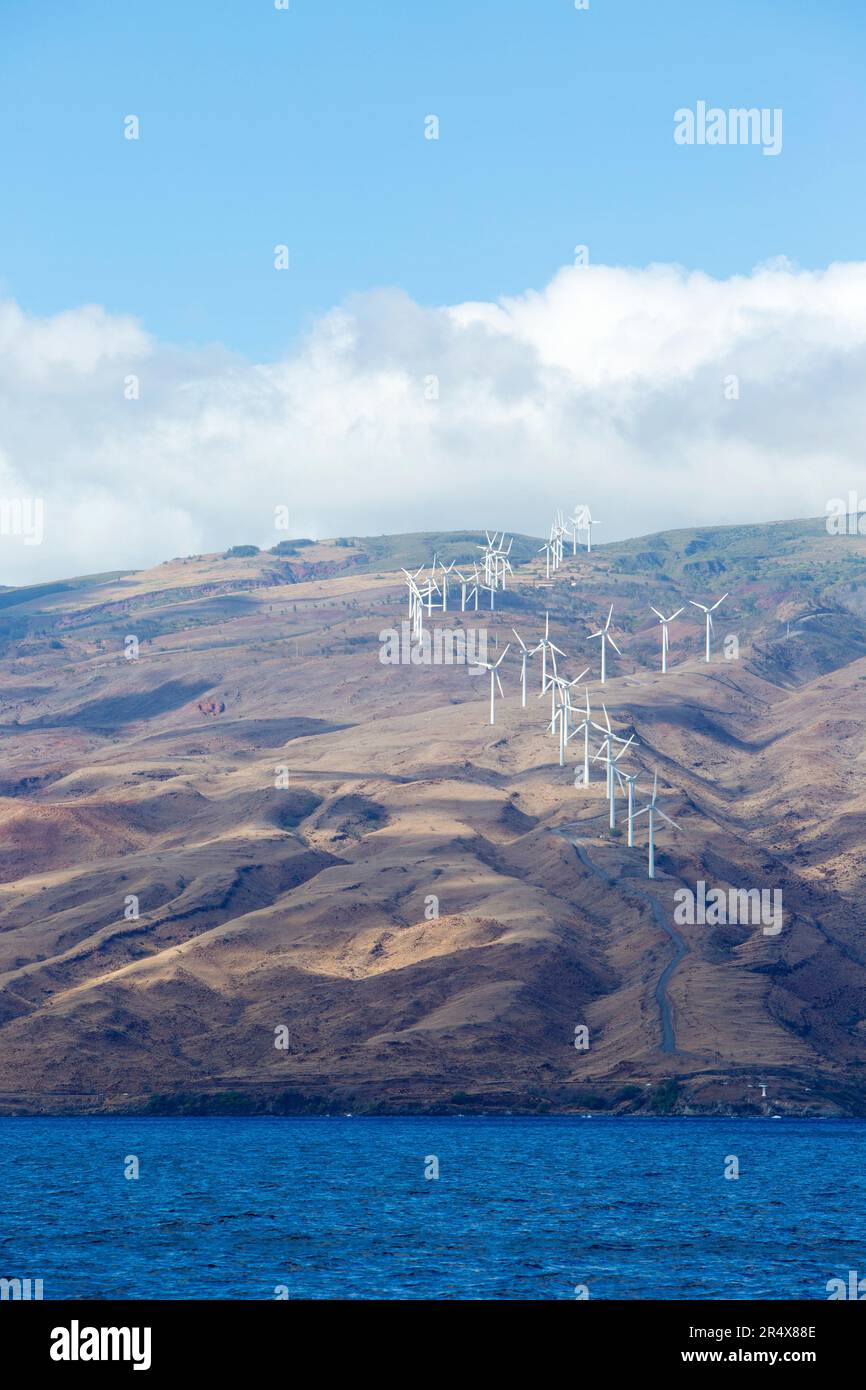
x: 284, y: 807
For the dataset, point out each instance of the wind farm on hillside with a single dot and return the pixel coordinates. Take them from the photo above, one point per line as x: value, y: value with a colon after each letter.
x: 427, y: 594
x: 260, y: 790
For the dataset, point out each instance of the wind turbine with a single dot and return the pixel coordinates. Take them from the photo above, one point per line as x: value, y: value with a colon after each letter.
x: 524, y: 657
x: 665, y: 639
x: 557, y: 532
x: 501, y: 562
x: 560, y: 685
x: 445, y: 574
x: 708, y: 612
x: 476, y: 584
x: 652, y: 810
x: 464, y: 585
x: 416, y: 603
x: 604, y: 634
x: 576, y: 524
x: 545, y: 646
x: 585, y: 725
x: 630, y: 779
x: 494, y: 680
x: 605, y: 752
x: 429, y: 589
x: 488, y: 556
x: 587, y: 524
x: 496, y: 561
x: 610, y: 759
x: 549, y: 548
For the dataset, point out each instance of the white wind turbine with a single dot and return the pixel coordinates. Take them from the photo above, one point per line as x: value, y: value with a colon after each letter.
x: 609, y: 758
x: 476, y: 584
x: 416, y: 604
x: 525, y: 654
x: 575, y: 522
x: 545, y: 646
x: 464, y: 585
x: 604, y: 634
x: 559, y: 685
x: 584, y: 727
x: 488, y: 556
x: 665, y: 638
x: 491, y: 666
x: 630, y: 779
x: 496, y: 561
x: 416, y: 611
x: 428, y: 589
x: 586, y: 524
x: 549, y: 549
x: 557, y: 532
x: 708, y: 612
x: 501, y: 562
x: 652, y: 810
x: 445, y: 574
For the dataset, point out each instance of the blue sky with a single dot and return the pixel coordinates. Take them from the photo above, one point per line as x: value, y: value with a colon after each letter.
x: 669, y: 383
x: 260, y: 126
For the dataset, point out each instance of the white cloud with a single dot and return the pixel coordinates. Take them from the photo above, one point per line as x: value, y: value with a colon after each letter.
x: 606, y: 386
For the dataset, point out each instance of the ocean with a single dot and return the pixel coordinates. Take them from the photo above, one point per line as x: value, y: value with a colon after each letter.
x: 522, y: 1208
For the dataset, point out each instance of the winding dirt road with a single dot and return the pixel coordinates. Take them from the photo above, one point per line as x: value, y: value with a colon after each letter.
x: 669, y: 1037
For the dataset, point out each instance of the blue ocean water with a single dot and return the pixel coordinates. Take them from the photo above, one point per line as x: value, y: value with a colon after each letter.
x: 523, y: 1208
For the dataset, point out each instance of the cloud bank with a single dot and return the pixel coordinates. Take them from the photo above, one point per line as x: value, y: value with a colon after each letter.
x: 660, y: 396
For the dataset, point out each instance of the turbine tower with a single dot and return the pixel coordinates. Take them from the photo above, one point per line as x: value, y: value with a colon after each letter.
x: 665, y: 638
x: 708, y: 612
x: 652, y: 810
x: 559, y: 685
x: 445, y: 574
x: 525, y: 654
x: 549, y: 550
x: 609, y: 758
x: 545, y: 646
x: 584, y: 727
x: 491, y: 666
x: 604, y: 634
x: 630, y: 779
x: 576, y: 522
x: 586, y: 524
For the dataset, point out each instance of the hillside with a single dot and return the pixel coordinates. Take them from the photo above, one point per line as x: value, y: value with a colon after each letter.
x: 284, y: 806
